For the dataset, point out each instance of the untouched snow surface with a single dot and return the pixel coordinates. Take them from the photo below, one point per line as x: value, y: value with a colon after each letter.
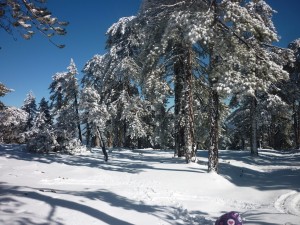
x: 147, y: 187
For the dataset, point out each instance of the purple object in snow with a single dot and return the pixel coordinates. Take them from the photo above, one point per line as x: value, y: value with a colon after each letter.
x: 231, y: 218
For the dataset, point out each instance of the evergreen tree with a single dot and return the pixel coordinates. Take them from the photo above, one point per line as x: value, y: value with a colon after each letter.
x: 225, y: 39
x: 64, y: 103
x: 42, y: 137
x: 107, y: 85
x: 291, y: 93
x: 3, y: 91
x: 29, y: 106
x: 45, y: 108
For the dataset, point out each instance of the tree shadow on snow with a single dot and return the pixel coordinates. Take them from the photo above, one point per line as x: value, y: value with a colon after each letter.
x: 54, y: 203
x: 265, y: 172
x: 271, y: 170
x: 13, y: 195
x: 120, y: 160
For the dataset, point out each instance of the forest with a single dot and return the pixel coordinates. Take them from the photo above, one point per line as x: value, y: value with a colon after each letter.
x: 182, y: 75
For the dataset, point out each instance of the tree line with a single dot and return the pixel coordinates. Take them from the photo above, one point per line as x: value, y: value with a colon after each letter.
x: 182, y: 75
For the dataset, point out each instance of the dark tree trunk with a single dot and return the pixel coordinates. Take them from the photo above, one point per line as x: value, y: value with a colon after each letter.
x: 189, y: 113
x: 102, y: 145
x: 253, y: 118
x: 213, y: 156
x: 78, y: 119
x: 184, y: 115
x: 179, y: 108
x: 296, y: 124
x: 88, y: 135
x: 214, y: 117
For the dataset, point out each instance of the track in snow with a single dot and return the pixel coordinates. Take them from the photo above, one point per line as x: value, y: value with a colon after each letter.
x: 289, y: 203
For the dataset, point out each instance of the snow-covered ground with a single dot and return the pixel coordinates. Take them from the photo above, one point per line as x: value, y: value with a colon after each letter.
x: 147, y: 187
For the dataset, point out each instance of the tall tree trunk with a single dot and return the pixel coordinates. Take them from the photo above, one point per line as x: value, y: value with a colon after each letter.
x: 214, y: 117
x: 78, y: 118
x: 179, y: 121
x: 102, y: 145
x: 179, y: 108
x: 253, y: 118
x: 189, y: 111
x: 88, y: 135
x: 184, y: 115
x: 214, y: 114
x: 296, y: 124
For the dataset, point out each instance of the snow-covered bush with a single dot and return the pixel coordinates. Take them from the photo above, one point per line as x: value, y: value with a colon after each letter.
x: 12, y: 124
x: 74, y: 146
x: 42, y: 142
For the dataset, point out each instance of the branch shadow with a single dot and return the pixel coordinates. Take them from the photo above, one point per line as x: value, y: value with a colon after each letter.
x: 120, y: 160
x: 168, y: 214
x: 269, y: 171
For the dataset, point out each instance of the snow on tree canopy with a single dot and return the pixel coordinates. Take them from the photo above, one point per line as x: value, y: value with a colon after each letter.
x: 120, y: 26
x: 13, y: 116
x: 295, y: 46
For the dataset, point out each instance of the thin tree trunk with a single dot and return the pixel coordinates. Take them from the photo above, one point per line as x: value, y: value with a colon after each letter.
x: 102, y: 145
x: 88, y: 134
x: 296, y: 124
x: 213, y: 156
x: 78, y: 119
x: 253, y: 117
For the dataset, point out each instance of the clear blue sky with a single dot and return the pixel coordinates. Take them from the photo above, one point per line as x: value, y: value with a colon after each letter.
x: 29, y: 65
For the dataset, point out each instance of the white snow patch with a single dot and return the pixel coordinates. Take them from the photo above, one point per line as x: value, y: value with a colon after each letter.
x: 147, y: 186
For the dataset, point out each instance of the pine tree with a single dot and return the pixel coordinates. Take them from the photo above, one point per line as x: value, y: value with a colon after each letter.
x: 45, y: 108
x: 29, y: 106
x: 107, y: 84
x: 64, y: 103
x: 291, y: 94
x: 3, y: 91
x: 228, y: 41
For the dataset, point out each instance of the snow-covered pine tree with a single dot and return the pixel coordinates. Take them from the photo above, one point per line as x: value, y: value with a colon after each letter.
x: 257, y: 69
x: 239, y: 61
x: 232, y: 36
x: 3, y: 91
x: 109, y: 83
x: 41, y: 136
x: 291, y: 89
x: 29, y: 106
x: 64, y: 92
x: 72, y: 94
x: 45, y: 108
x: 167, y: 60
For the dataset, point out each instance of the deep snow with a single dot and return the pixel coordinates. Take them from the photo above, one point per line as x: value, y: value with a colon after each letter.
x: 147, y: 187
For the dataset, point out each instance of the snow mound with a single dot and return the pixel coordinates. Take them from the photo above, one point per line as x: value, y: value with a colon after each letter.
x: 289, y: 203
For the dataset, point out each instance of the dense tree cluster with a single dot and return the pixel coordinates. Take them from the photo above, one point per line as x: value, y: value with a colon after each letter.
x: 181, y: 75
